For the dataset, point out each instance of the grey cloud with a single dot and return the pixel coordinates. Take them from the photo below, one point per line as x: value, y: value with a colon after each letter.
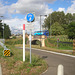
x: 25, y: 6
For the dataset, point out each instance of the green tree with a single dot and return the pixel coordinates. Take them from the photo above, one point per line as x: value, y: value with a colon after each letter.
x: 57, y: 29
x: 54, y: 17
x: 58, y: 17
x: 7, y: 32
x: 0, y: 34
x: 1, y: 29
x: 73, y: 16
x: 69, y: 18
x: 71, y: 30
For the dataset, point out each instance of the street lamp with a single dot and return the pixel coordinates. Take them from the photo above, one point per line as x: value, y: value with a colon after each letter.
x: 40, y: 27
x: 3, y: 27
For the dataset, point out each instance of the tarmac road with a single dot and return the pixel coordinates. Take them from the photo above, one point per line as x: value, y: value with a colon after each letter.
x: 53, y: 60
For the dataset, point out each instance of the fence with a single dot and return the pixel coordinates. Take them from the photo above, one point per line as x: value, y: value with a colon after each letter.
x: 61, y: 44
x: 73, y: 46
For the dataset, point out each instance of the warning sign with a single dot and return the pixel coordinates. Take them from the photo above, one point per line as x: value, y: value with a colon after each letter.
x: 6, y: 52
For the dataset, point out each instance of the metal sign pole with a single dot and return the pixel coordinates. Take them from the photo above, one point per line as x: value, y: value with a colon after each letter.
x: 30, y: 46
x: 30, y: 18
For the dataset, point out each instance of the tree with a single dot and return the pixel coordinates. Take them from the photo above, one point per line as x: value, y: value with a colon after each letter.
x: 73, y: 16
x: 69, y: 18
x: 60, y: 17
x: 0, y: 34
x: 7, y: 31
x: 57, y: 29
x: 1, y: 29
x: 71, y: 30
x: 54, y: 17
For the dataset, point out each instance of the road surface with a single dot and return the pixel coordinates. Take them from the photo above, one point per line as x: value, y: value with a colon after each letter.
x: 53, y: 60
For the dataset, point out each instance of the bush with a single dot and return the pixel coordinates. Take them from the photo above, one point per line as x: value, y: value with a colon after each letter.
x: 71, y: 30
x: 57, y: 29
x: 14, y: 37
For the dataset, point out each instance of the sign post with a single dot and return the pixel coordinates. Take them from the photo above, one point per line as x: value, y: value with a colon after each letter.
x: 23, y: 42
x: 30, y: 18
x: 30, y: 38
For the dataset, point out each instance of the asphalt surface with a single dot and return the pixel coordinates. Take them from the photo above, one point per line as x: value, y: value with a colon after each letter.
x: 53, y: 60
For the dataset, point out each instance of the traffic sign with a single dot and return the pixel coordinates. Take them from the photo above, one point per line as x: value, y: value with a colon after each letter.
x: 30, y: 17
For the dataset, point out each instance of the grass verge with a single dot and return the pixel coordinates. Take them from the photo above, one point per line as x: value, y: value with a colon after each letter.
x: 47, y: 48
x: 15, y: 66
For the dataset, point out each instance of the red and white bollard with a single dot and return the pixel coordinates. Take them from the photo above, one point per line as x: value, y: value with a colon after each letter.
x: 23, y: 42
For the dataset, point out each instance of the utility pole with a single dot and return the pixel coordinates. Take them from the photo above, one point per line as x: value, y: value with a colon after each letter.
x: 40, y: 27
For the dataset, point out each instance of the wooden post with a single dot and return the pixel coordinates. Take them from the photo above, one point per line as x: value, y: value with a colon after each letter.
x: 73, y: 47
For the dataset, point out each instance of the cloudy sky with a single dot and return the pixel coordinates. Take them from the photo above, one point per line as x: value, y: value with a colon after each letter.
x: 15, y: 11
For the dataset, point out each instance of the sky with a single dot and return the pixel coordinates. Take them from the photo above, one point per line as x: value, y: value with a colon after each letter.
x: 14, y: 12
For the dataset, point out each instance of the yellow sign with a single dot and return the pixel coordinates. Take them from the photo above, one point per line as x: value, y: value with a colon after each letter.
x: 6, y: 52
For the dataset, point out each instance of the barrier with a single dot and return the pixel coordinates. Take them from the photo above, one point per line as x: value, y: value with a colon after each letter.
x: 2, y: 40
x: 73, y: 46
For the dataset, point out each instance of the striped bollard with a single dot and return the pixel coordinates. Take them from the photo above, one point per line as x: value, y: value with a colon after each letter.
x: 23, y: 42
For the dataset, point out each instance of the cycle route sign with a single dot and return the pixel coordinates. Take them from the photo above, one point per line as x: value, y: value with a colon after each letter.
x: 30, y: 17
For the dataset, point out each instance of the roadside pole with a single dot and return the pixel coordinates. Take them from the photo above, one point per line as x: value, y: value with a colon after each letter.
x: 30, y: 46
x: 23, y: 42
x: 30, y: 18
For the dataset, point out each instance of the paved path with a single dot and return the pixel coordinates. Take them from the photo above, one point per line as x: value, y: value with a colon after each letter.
x: 53, y: 60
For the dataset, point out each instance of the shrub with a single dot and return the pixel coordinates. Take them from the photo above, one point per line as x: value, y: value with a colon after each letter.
x: 71, y: 30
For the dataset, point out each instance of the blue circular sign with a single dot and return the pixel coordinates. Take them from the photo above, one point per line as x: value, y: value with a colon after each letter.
x: 30, y: 17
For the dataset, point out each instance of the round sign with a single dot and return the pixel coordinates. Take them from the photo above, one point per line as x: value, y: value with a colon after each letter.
x: 30, y: 17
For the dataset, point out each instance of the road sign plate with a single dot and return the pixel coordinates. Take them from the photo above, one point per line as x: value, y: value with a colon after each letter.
x: 30, y: 17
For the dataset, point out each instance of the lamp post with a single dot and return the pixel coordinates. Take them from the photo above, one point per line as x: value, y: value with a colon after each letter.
x: 3, y: 27
x: 40, y: 27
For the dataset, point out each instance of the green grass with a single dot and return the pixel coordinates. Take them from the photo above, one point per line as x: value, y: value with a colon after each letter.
x: 63, y: 38
x: 14, y: 65
x: 1, y: 51
x: 15, y: 41
x: 47, y: 48
x: 52, y: 42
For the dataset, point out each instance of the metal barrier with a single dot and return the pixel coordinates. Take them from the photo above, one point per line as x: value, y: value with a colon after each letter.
x: 2, y: 40
x: 3, y: 45
x: 60, y: 70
